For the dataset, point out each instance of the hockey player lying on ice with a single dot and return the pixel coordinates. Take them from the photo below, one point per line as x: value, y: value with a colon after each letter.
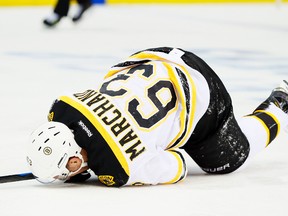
x: 147, y: 111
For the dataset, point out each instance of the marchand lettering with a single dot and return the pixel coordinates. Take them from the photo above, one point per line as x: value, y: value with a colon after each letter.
x: 110, y: 116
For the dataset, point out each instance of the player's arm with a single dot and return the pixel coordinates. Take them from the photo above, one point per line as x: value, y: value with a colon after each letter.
x: 166, y: 167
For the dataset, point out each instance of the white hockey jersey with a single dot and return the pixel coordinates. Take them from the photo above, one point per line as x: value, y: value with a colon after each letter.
x: 133, y: 125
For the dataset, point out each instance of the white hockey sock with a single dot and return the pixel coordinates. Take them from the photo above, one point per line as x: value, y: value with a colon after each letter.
x: 257, y: 131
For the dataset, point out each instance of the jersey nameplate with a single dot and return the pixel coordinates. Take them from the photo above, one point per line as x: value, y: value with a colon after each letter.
x: 107, y: 114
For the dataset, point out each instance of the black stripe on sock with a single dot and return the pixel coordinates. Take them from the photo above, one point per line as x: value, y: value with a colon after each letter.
x: 270, y: 123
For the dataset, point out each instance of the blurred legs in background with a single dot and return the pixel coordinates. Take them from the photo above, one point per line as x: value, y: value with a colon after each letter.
x: 62, y: 8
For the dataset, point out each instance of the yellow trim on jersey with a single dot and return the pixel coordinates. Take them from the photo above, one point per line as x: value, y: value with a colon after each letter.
x: 183, y: 100
x: 111, y: 72
x: 183, y: 112
x: 180, y: 168
x: 114, y: 147
x: 139, y: 56
x: 192, y: 100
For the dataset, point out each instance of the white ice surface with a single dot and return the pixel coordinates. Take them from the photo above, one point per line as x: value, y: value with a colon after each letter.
x: 246, y: 44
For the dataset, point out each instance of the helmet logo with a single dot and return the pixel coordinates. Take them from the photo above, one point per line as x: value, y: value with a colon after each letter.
x: 51, y: 116
x: 47, y: 150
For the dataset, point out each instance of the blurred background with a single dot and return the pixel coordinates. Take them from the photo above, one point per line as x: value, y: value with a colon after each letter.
x: 49, y: 2
x: 245, y: 42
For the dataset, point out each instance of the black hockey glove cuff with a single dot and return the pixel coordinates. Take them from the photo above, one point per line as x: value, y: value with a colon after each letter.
x: 81, y: 177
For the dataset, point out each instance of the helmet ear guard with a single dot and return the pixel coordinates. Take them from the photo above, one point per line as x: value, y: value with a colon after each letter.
x: 48, y: 151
